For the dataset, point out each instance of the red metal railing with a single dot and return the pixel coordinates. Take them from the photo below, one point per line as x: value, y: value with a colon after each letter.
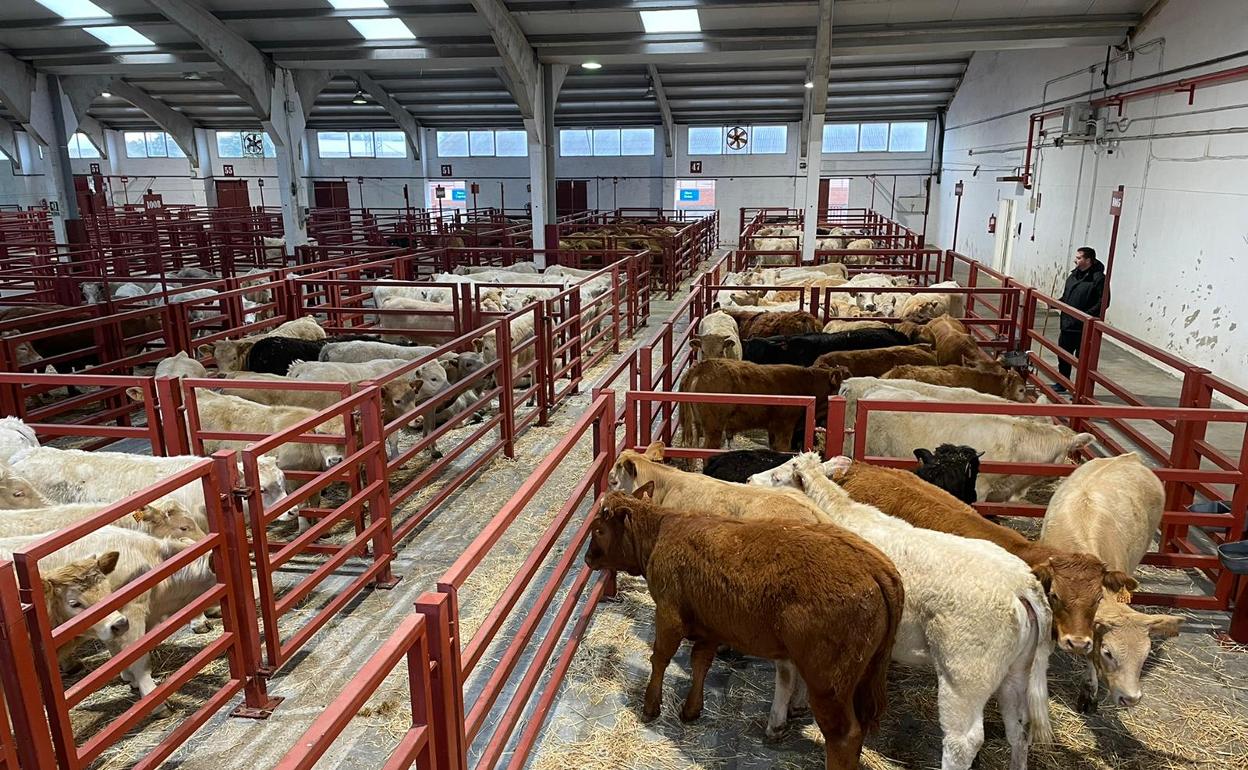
x: 223, y: 548
x: 24, y: 738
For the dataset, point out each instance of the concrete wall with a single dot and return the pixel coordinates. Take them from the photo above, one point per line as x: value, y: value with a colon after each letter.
x: 1183, y: 246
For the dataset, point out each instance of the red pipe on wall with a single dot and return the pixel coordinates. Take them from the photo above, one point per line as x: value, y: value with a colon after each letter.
x: 1182, y: 85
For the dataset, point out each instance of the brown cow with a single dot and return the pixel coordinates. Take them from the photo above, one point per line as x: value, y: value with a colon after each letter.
x: 1073, y: 580
x: 774, y: 324
x: 955, y: 349
x: 785, y: 593
x: 945, y: 323
x: 723, y: 375
x: 874, y: 363
x: 985, y: 377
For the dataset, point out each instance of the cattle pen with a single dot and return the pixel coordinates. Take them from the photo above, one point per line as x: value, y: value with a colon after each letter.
x: 515, y: 652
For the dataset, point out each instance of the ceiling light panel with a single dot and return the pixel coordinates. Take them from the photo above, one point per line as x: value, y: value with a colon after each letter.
x: 382, y: 29
x: 75, y: 9
x: 671, y: 21
x: 119, y: 36
x: 355, y: 5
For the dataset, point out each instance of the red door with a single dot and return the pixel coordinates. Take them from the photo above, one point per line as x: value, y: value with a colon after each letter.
x: 232, y: 194
x: 330, y: 195
x: 571, y: 196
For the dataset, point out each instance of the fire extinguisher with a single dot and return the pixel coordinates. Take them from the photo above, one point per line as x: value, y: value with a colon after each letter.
x: 992, y: 223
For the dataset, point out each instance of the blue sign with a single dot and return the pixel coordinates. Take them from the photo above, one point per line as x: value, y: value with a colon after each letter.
x: 689, y: 195
x: 459, y: 195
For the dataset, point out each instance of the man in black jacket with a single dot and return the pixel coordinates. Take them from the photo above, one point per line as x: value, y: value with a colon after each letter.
x: 1084, y: 288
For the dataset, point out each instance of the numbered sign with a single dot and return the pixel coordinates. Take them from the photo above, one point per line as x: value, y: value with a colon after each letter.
x: 446, y: 169
x: 226, y: 169
x: 439, y: 192
x: 253, y: 144
x: 695, y: 167
x: 95, y: 168
x: 1115, y: 203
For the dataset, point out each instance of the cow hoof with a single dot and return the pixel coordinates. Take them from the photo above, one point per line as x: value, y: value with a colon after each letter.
x: 477, y: 418
x: 775, y: 734
x: 649, y: 714
x: 436, y: 454
x: 797, y: 712
x: 213, y: 612
x: 690, y: 715
x: 202, y: 627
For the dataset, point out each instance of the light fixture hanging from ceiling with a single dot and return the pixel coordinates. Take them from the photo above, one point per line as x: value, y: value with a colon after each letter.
x: 106, y: 95
x: 359, y: 97
x: 591, y: 65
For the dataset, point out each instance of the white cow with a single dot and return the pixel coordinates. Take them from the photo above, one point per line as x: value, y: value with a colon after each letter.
x: 1111, y: 507
x: 973, y: 611
x: 718, y: 337
x: 1001, y: 438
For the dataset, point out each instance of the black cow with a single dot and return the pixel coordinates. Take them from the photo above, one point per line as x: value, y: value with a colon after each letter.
x: 953, y: 468
x: 739, y: 464
x: 803, y: 349
x: 274, y: 355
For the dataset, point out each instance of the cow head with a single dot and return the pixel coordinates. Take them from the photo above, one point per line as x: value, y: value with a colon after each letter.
x: 1074, y: 583
x: 168, y: 519
x: 623, y: 475
x: 16, y: 492
x: 717, y: 346
x: 398, y: 397
x: 952, y: 468
x: 612, y: 541
x: 1123, y: 641
x: 71, y: 589
x: 230, y: 355
x: 836, y: 375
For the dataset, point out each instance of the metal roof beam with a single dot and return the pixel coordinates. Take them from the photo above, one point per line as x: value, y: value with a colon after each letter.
x: 665, y: 109
x: 17, y: 88
x: 523, y: 74
x: 407, y: 122
x: 8, y: 144
x: 245, y: 69
x: 172, y: 122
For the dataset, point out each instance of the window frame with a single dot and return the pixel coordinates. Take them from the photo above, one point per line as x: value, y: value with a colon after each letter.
x: 75, y: 147
x: 888, y: 138
x: 592, y: 134
x: 749, y: 149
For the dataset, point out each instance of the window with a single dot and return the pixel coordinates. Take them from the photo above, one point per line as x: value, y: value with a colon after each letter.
x: 840, y: 138
x: 454, y: 194
x: 230, y: 145
x: 760, y: 140
x: 907, y: 137
x: 511, y: 144
x: 150, y: 144
x: 80, y: 147
x: 606, y: 142
x: 875, y: 137
x: 575, y: 142
x: 695, y: 194
x: 483, y: 144
x: 390, y: 144
x: 636, y: 141
x: 361, y: 144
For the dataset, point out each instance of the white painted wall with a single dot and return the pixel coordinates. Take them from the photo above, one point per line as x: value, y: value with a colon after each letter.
x: 1183, y: 249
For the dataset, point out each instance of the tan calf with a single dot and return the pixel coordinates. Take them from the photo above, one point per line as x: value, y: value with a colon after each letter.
x: 984, y: 377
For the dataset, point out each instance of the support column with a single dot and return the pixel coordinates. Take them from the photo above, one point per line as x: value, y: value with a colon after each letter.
x: 542, y: 138
x: 68, y: 226
x: 539, y: 202
x: 203, y: 169
x: 814, y: 166
x: 286, y: 126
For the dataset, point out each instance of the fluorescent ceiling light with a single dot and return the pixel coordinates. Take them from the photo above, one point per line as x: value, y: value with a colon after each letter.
x: 106, y: 95
x: 382, y: 29
x: 75, y: 9
x: 119, y: 36
x: 352, y: 5
x: 671, y: 21
x: 591, y: 65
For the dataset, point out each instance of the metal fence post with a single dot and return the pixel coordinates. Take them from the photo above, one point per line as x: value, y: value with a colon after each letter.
x: 1183, y: 453
x: 446, y: 677
x: 507, y: 394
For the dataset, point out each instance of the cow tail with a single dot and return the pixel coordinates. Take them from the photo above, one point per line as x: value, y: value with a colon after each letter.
x: 688, y: 420
x: 871, y: 696
x: 1040, y: 645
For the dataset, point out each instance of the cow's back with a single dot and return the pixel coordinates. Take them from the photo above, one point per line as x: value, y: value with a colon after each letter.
x: 1109, y: 507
